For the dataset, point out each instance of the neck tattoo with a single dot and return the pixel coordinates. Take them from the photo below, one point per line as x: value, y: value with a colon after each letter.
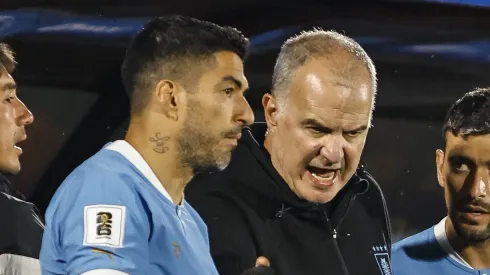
x: 160, y: 143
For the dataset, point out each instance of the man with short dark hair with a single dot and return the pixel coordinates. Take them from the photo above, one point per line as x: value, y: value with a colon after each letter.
x: 460, y: 242
x: 122, y: 211
x: 21, y: 230
x: 293, y: 191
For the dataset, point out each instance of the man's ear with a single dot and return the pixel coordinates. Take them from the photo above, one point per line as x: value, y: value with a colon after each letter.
x: 440, y: 165
x: 271, y: 111
x: 168, y: 98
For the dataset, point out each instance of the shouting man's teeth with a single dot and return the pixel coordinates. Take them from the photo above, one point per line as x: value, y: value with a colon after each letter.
x: 327, y: 176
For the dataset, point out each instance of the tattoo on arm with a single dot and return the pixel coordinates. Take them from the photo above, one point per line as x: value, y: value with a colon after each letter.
x: 160, y: 146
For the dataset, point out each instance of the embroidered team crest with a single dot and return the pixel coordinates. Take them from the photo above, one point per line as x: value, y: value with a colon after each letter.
x: 383, y: 259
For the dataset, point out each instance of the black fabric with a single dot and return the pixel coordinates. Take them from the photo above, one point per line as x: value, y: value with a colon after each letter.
x: 21, y: 228
x: 259, y: 271
x: 7, y: 188
x: 250, y: 212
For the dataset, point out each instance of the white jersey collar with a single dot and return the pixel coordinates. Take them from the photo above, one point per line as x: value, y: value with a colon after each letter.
x: 131, y: 154
x: 441, y: 237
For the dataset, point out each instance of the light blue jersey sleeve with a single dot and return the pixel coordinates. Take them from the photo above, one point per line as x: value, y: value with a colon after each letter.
x: 96, y: 220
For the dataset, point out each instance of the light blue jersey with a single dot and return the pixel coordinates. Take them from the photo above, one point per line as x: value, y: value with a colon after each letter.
x: 113, y: 216
x: 429, y: 253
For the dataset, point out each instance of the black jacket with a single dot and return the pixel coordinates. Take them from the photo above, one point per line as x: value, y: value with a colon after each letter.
x: 250, y: 211
x: 21, y: 232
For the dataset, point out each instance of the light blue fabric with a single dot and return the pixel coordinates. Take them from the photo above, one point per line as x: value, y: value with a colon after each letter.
x: 108, y: 215
x: 422, y: 254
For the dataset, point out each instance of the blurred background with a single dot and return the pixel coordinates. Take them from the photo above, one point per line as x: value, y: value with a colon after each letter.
x: 427, y: 53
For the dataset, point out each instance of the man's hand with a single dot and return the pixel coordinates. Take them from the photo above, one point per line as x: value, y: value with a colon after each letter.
x: 262, y: 267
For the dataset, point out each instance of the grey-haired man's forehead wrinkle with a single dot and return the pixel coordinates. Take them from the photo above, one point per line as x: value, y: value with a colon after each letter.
x: 312, y: 122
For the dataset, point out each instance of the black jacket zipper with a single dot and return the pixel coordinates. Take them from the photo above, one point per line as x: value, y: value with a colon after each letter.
x: 337, y: 249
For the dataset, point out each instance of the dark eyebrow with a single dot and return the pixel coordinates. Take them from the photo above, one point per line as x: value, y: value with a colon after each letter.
x: 456, y: 157
x: 9, y: 86
x: 235, y: 81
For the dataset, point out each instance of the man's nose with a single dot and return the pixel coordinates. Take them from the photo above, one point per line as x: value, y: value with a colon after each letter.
x: 244, y: 112
x: 24, y: 115
x: 333, y: 150
x: 480, y: 185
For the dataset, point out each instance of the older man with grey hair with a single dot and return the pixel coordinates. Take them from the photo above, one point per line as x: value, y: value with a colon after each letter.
x: 294, y: 192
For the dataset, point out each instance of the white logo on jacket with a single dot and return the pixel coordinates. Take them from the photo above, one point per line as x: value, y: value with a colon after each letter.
x: 382, y: 258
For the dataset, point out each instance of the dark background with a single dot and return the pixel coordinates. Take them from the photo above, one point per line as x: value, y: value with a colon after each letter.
x: 426, y: 54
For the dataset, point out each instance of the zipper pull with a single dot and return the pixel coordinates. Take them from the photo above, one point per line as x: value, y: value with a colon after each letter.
x: 335, y: 234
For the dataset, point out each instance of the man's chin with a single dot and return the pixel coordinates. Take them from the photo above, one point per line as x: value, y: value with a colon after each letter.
x: 317, y: 196
x: 214, y: 167
x: 10, y: 169
x: 472, y: 232
x: 223, y: 161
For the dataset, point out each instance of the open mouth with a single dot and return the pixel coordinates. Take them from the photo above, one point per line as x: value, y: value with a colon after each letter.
x: 18, y: 148
x: 16, y: 145
x: 321, y: 176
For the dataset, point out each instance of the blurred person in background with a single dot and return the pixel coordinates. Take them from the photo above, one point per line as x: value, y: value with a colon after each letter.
x: 460, y: 242
x: 122, y: 211
x: 294, y: 191
x: 21, y: 228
